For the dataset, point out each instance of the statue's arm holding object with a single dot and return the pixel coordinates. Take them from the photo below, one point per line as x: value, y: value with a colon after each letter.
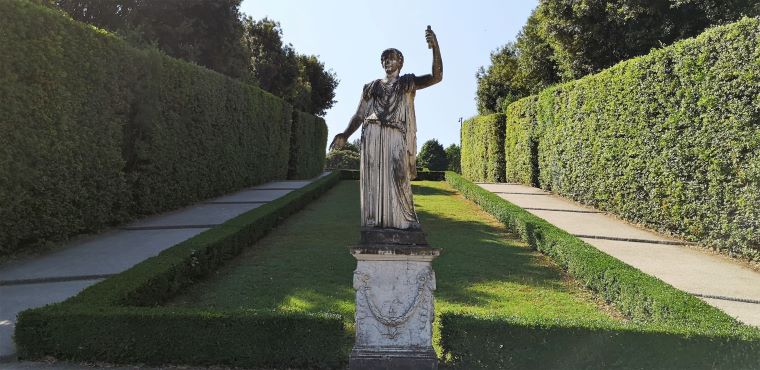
x: 421, y: 82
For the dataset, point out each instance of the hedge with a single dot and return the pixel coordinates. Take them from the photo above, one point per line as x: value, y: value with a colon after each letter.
x: 487, y: 342
x: 521, y: 142
x: 670, y: 140
x: 118, y: 320
x: 483, y: 148
x: 640, y: 297
x: 97, y: 132
x: 307, y: 146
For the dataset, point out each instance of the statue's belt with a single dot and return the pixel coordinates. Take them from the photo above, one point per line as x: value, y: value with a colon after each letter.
x: 397, y: 125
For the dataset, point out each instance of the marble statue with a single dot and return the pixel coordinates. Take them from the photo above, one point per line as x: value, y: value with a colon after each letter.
x: 388, y: 140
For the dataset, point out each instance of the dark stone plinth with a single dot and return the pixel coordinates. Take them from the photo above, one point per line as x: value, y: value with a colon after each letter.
x: 377, y: 236
x: 391, y: 359
x: 395, y: 250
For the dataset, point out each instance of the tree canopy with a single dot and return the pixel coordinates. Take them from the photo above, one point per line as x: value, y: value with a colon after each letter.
x: 432, y: 156
x: 567, y: 39
x: 214, y: 34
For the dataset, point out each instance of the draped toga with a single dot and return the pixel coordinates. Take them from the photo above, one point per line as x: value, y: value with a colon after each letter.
x: 388, y: 155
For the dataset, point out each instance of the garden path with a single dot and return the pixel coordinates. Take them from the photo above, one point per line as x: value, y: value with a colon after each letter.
x: 718, y: 280
x: 60, y: 274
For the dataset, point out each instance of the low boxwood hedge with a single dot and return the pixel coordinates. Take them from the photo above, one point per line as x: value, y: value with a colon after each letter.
x: 488, y: 342
x: 483, y: 148
x: 118, y: 320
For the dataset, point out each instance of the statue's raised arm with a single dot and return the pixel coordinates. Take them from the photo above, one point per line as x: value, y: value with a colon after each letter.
x: 436, y: 76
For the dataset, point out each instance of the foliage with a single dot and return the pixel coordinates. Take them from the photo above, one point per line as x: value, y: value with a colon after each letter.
x: 302, y: 80
x: 98, y: 132
x: 343, y: 159
x: 117, y: 320
x: 590, y: 35
x: 640, y: 297
x: 203, y: 32
x: 453, y: 158
x: 483, y: 148
x: 432, y: 156
x: 500, y: 84
x: 670, y: 140
x: 521, y: 143
x: 492, y: 342
x: 307, y: 146
x: 536, y: 67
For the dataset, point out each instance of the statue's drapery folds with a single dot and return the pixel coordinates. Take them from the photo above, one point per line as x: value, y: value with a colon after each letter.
x: 388, y: 154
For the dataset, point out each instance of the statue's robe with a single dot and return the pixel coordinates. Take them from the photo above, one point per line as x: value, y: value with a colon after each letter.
x: 388, y: 156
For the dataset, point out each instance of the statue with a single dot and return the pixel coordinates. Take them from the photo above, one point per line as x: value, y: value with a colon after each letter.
x: 388, y: 141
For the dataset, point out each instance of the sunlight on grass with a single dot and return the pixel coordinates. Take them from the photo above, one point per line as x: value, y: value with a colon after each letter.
x: 304, y: 265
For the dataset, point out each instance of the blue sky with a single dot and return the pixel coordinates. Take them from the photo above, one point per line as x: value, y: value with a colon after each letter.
x: 348, y: 36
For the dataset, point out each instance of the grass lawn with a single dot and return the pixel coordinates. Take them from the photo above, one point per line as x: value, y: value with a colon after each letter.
x: 305, y: 265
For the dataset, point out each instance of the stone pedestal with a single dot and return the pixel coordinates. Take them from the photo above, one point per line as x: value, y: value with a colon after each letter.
x: 394, y: 303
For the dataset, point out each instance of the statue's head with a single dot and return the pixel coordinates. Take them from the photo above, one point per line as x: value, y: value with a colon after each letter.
x: 390, y: 55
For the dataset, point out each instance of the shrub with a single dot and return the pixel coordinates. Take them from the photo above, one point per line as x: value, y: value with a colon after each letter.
x: 483, y: 148
x: 670, y: 139
x: 520, y: 143
x: 97, y: 132
x: 343, y: 160
x: 307, y: 146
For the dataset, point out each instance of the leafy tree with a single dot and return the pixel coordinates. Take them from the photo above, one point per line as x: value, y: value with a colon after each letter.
x: 453, y: 158
x: 316, y: 86
x: 536, y: 66
x: 203, y: 32
x: 432, y: 156
x: 500, y: 84
x: 590, y: 35
x: 273, y: 65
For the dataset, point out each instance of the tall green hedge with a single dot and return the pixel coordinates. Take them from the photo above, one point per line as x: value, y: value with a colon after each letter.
x: 483, y: 148
x: 307, y: 146
x: 521, y: 142
x: 670, y: 139
x: 96, y: 132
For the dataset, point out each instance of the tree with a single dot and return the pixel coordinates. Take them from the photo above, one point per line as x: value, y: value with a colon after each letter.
x: 453, y: 158
x: 273, y: 66
x: 315, y: 87
x: 500, y: 84
x: 347, y: 157
x: 301, y: 80
x: 432, y: 156
x: 204, y: 32
x: 536, y: 67
x: 590, y: 35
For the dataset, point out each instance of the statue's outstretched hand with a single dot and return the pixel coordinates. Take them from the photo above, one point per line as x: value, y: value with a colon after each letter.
x: 338, y: 142
x: 432, y: 41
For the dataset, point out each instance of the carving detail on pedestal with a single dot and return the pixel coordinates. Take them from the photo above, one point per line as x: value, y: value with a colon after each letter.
x: 391, y: 321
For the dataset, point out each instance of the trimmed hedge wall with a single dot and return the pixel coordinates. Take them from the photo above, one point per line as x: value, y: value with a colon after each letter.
x: 483, y: 148
x: 486, y: 342
x: 640, y: 297
x: 96, y: 132
x: 670, y: 139
x: 307, y: 146
x: 118, y: 320
x: 521, y: 142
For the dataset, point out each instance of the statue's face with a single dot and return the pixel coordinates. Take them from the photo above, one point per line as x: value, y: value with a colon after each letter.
x: 392, y: 63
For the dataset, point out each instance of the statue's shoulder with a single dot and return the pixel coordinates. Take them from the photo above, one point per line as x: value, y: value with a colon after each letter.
x: 369, y: 87
x: 407, y: 82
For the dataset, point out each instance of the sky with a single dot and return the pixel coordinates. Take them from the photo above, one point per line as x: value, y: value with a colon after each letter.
x: 348, y: 37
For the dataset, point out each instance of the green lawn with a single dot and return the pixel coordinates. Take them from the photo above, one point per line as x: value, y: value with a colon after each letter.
x: 304, y: 265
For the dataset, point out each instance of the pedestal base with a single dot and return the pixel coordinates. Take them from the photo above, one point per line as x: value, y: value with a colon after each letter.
x: 394, y: 307
x: 402, y: 359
